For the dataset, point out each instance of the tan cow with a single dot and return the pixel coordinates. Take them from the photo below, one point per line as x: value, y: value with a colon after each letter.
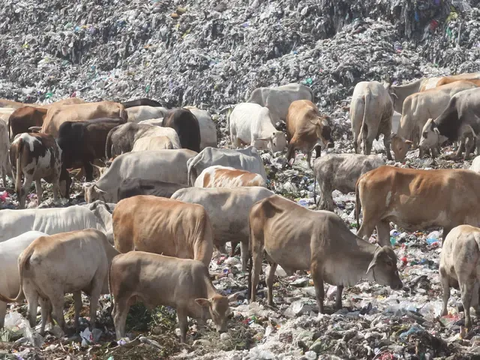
x: 416, y: 200
x: 459, y: 268
x: 163, y: 226
x: 417, y: 109
x: 218, y: 176
x: 69, y: 262
x: 57, y: 115
x: 183, y: 284
x: 305, y: 128
x: 371, y: 112
x: 474, y: 77
x: 399, y: 93
x: 300, y: 239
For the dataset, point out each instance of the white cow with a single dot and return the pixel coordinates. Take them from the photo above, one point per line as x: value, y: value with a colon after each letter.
x: 252, y: 124
x: 143, y: 112
x: 244, y: 159
x: 50, y: 221
x: 208, y: 130
x: 152, y: 143
x: 163, y: 165
x: 228, y: 209
x: 278, y: 99
x: 10, y: 250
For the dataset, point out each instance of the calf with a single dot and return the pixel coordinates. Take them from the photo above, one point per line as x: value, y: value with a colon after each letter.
x: 82, y: 142
x: 416, y: 200
x: 25, y: 117
x: 300, y: 239
x: 38, y: 156
x: 218, y: 176
x: 459, y: 268
x: 162, y: 165
x: 187, y: 127
x: 371, y: 112
x: 163, y: 280
x: 228, y: 210
x: 152, y: 143
x: 305, y: 127
x: 10, y: 250
x: 252, y: 124
x: 138, y: 186
x: 163, y: 226
x: 69, y: 262
x: 341, y: 172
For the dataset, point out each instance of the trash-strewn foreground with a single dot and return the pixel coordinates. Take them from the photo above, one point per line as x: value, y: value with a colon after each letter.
x: 211, y: 55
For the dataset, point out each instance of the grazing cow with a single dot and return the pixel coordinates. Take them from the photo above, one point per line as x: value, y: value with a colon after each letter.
x: 140, y: 102
x: 38, y: 156
x: 208, y: 130
x: 163, y: 226
x: 300, y: 239
x: 399, y: 93
x: 475, y: 164
x: 474, y: 77
x: 187, y: 127
x: 460, y: 119
x: 140, y: 113
x: 52, y: 220
x: 152, y: 143
x: 163, y: 165
x: 417, y: 109
x: 459, y: 268
x: 138, y: 186
x: 341, y: 172
x: 305, y: 128
x: 183, y: 284
x: 416, y: 200
x: 371, y: 112
x: 218, y: 176
x: 251, y: 124
x: 278, y: 99
x: 10, y: 250
x: 5, y: 167
x: 69, y: 262
x: 245, y: 159
x: 121, y: 139
x: 228, y: 210
x: 57, y: 115
x: 82, y: 142
x: 25, y: 117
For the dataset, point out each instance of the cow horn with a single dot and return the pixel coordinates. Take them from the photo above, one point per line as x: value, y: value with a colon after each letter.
x: 233, y: 297
x: 371, y: 266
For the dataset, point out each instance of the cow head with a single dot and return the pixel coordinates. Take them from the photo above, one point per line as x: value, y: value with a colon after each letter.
x: 383, y: 268
x: 218, y: 309
x: 400, y: 147
x: 92, y: 193
x: 431, y: 136
x: 278, y: 142
x: 65, y: 183
x: 324, y: 132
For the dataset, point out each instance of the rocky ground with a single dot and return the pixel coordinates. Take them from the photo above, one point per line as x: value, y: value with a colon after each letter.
x: 212, y: 54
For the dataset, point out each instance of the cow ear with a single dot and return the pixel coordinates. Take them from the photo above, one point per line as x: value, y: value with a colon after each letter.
x: 436, y: 130
x: 203, y: 302
x: 408, y: 142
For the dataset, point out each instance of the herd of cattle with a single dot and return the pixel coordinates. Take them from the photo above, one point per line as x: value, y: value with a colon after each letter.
x: 176, y: 197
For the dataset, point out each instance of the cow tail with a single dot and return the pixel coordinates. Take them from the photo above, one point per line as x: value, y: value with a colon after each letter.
x: 312, y: 94
x: 249, y: 262
x: 358, y: 204
x: 108, y: 144
x: 9, y: 130
x: 22, y: 262
x: 364, y: 120
x: 18, y: 163
x: 123, y: 114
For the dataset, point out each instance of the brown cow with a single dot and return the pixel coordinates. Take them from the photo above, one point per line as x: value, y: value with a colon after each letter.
x: 416, y: 200
x: 300, y: 239
x: 25, y: 117
x: 57, y: 115
x: 218, y: 176
x: 305, y: 126
x: 183, y: 284
x: 163, y: 226
x: 473, y: 77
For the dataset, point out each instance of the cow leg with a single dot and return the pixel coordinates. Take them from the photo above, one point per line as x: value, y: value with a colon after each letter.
x: 22, y: 190
x: 383, y: 232
x: 77, y: 298
x: 57, y: 306
x: 38, y: 187
x: 88, y: 171
x: 445, y: 232
x: 466, y: 288
x: 271, y: 274
x: 469, y: 144
x: 120, y: 311
x: 256, y: 267
x: 338, y: 303
x: 46, y: 310
x: 366, y: 229
x: 291, y: 152
x: 317, y: 277
x: 56, y: 189
x: 233, y: 248
x: 3, y: 312
x: 244, y: 249
x: 183, y: 324
x: 326, y: 200
x: 459, y: 152
x: 446, y: 290
x: 95, y: 297
x: 386, y: 143
x: 309, y: 159
x: 32, y: 299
